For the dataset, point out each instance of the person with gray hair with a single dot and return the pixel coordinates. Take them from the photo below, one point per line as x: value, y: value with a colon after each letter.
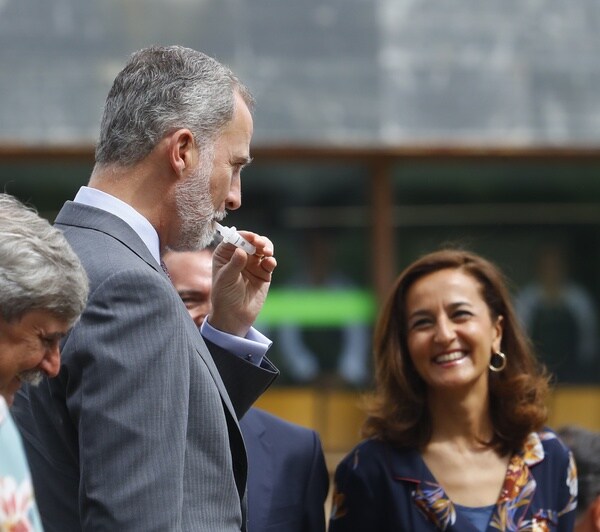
x: 585, y: 446
x: 43, y: 290
x: 140, y: 430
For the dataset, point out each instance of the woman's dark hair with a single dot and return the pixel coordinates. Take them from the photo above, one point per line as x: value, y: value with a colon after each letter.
x: 398, y: 410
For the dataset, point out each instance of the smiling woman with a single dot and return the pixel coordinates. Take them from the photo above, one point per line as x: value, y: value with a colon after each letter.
x: 43, y: 290
x: 450, y: 333
x: 456, y: 425
x: 29, y: 349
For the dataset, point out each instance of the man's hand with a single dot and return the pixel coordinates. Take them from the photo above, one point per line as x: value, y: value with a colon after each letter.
x: 240, y: 284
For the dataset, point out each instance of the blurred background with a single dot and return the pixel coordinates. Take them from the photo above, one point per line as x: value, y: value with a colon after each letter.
x: 383, y: 129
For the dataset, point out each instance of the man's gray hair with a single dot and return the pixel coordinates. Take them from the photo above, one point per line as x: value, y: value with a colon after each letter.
x: 160, y: 90
x: 38, y: 268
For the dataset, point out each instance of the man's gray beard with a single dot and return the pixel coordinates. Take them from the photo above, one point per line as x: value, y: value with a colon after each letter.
x: 31, y: 376
x: 195, y: 209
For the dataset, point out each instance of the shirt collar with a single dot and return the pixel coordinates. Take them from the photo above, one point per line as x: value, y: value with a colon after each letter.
x: 144, y: 229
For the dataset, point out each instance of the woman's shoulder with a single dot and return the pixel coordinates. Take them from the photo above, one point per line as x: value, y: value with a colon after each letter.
x: 552, y: 442
x: 553, y: 467
x: 373, y: 454
x: 544, y: 445
x: 378, y: 447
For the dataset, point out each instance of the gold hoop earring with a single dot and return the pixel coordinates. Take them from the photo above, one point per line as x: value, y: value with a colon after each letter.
x: 498, y: 362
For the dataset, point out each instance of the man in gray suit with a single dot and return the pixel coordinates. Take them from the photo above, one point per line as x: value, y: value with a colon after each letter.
x: 138, y: 431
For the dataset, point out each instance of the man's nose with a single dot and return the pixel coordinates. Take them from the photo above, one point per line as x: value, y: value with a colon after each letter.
x: 50, y: 364
x: 234, y: 198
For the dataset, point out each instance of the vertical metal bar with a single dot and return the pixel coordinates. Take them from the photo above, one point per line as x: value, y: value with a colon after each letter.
x: 382, y: 226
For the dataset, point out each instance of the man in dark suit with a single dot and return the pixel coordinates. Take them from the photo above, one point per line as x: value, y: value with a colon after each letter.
x: 139, y: 430
x: 287, y: 475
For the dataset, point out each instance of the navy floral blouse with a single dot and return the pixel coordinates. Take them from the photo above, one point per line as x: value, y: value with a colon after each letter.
x: 381, y: 488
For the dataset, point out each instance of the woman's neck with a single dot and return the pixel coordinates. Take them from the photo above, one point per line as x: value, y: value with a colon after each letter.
x: 461, y: 417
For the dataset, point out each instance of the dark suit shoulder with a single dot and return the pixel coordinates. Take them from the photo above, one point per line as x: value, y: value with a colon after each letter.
x: 275, y: 422
x: 287, y: 475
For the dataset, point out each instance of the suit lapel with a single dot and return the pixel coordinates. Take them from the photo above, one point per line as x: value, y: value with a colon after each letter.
x: 207, y: 358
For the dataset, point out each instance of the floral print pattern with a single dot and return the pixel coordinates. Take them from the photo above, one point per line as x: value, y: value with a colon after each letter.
x: 515, y: 497
x: 16, y: 502
x: 513, y: 510
x: 435, y: 505
x: 18, y: 511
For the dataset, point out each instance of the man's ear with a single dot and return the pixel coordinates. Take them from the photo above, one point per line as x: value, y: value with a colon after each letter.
x: 182, y: 152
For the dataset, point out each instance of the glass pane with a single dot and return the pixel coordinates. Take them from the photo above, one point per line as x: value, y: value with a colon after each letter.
x: 539, y: 221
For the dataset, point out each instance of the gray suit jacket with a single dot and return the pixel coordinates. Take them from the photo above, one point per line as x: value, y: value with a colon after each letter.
x: 138, y: 431
x: 287, y: 475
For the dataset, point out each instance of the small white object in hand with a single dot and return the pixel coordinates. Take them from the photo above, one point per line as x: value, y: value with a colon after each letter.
x: 231, y: 236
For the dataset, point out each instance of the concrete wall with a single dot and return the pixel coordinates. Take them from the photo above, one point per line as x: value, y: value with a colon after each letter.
x: 508, y: 72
